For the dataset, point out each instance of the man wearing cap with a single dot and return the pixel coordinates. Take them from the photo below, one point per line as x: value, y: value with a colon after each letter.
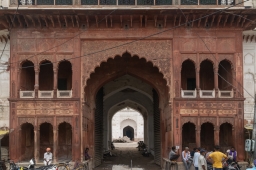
x: 202, y: 164
x: 47, y: 157
x: 218, y: 158
x: 186, y: 158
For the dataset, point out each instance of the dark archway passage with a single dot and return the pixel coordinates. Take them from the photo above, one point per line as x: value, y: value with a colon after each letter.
x: 96, y: 86
x: 129, y: 132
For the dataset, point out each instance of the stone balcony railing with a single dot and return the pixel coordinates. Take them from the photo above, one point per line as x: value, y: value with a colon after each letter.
x: 45, y: 94
x: 125, y: 2
x: 207, y: 93
x: 226, y: 94
x: 27, y: 94
x: 64, y: 93
x: 188, y: 93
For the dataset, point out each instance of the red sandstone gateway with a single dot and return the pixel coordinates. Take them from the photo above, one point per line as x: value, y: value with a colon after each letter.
x: 72, y: 70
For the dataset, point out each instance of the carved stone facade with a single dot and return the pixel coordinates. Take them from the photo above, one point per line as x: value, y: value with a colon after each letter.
x: 4, y: 79
x: 102, y: 53
x: 249, y: 51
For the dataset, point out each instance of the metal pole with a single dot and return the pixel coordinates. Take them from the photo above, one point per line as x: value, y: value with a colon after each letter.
x: 131, y: 164
x: 254, y: 128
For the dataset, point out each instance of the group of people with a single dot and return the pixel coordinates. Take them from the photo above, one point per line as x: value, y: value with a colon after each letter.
x: 199, y: 157
x: 48, y: 156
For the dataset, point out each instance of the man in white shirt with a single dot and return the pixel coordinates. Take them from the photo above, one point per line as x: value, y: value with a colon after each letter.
x: 48, y: 157
x: 195, y: 158
x: 186, y: 158
x: 202, y: 165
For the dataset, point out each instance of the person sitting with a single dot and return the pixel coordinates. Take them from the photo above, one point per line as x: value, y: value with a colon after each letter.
x: 47, y: 157
x: 232, y: 154
x: 173, y: 155
x: 186, y: 158
x: 86, y: 154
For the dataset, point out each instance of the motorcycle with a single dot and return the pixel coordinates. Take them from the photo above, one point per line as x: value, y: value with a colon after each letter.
x: 31, y: 166
x: 209, y: 166
x: 231, y: 165
x: 146, y: 153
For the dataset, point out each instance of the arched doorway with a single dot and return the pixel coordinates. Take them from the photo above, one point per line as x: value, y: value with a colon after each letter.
x: 188, y: 135
x: 129, y: 132
x: 101, y: 86
x: 27, y: 141
x: 46, y: 138
x: 226, y: 136
x: 128, y: 117
x: 207, y: 136
x: 65, y: 141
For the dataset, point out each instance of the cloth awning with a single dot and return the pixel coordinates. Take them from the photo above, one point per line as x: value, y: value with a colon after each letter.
x: 3, y: 132
x: 248, y: 126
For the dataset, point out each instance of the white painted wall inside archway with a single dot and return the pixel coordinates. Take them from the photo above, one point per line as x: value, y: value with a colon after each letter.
x: 128, y: 117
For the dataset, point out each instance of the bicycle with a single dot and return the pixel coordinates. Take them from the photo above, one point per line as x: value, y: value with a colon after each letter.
x: 77, y: 166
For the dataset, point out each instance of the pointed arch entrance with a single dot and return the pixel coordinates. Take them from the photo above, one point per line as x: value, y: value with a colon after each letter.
x: 97, y: 92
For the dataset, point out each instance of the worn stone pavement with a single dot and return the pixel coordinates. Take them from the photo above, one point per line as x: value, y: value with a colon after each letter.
x: 124, y: 153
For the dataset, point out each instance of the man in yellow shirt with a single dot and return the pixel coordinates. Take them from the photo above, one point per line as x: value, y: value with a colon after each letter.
x: 217, y: 158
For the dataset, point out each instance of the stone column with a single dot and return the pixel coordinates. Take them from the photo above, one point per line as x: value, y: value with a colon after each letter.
x: 18, y: 83
x: 55, y: 145
x: 198, y: 80
x: 216, y: 76
x: 55, y: 82
x: 36, y: 82
x: 216, y: 135
x: 36, y: 143
x: 19, y: 144
x: 198, y: 135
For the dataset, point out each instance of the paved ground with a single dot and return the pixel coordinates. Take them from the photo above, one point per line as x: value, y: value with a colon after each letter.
x: 124, y: 154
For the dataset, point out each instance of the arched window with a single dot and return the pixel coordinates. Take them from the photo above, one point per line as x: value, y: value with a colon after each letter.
x: 206, y: 75
x: 225, y: 76
x: 65, y: 75
x: 27, y: 76
x: 46, y: 76
x: 188, y: 75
